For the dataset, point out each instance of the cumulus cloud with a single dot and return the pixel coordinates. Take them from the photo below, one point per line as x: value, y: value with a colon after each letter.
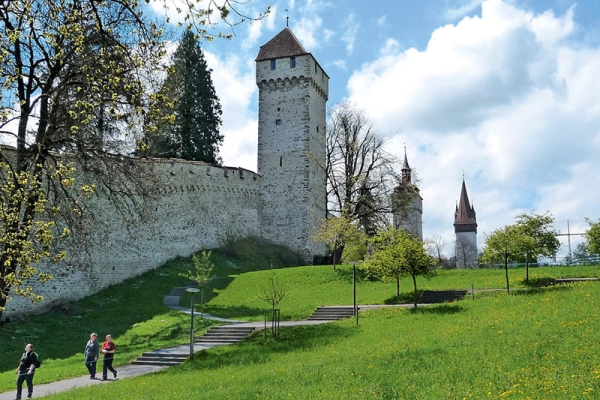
x: 509, y: 99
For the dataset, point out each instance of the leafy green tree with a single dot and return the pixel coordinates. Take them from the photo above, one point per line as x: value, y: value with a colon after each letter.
x: 505, y: 245
x: 72, y: 72
x: 200, y: 273
x: 593, y: 237
x: 193, y: 132
x: 539, y: 228
x: 397, y: 253
x: 336, y: 232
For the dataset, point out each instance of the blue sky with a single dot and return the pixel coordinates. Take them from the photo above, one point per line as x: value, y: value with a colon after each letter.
x: 506, y: 92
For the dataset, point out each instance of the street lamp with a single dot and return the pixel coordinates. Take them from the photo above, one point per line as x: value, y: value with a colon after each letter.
x: 192, y: 291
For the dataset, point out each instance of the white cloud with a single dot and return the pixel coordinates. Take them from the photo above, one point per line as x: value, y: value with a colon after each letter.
x: 464, y: 9
x: 350, y: 30
x: 508, y: 99
x: 306, y: 32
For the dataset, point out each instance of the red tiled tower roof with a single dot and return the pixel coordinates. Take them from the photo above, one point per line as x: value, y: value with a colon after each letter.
x: 464, y: 217
x: 284, y: 44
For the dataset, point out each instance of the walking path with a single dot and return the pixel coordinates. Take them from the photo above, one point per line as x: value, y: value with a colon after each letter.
x: 133, y: 370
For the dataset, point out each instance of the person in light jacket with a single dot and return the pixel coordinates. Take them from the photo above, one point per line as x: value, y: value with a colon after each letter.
x: 92, y: 350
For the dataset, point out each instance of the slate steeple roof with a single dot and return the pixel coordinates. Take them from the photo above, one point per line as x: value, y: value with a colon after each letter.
x: 406, y: 170
x: 284, y: 44
x: 465, y: 219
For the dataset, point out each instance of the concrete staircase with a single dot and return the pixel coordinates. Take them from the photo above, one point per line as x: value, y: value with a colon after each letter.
x: 441, y: 296
x: 331, y: 313
x: 225, y: 334
x: 215, y: 336
x: 161, y: 359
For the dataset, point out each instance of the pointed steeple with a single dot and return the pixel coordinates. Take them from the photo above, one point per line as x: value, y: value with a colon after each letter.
x: 406, y: 170
x: 284, y: 44
x: 465, y: 219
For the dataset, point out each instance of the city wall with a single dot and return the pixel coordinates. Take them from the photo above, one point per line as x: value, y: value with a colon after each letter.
x: 197, y: 206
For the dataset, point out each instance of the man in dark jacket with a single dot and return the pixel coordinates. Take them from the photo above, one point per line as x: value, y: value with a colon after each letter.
x: 92, y: 350
x: 26, y: 371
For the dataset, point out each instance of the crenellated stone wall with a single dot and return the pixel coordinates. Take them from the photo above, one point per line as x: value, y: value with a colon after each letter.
x: 197, y: 205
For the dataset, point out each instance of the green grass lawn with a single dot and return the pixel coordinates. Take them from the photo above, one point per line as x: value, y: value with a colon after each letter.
x: 529, y: 341
x: 539, y: 345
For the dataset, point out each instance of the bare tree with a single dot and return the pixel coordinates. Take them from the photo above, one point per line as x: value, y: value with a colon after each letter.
x: 361, y: 175
x: 435, y: 246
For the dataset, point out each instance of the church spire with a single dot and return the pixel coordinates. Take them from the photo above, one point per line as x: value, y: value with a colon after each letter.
x: 465, y: 219
x: 406, y: 170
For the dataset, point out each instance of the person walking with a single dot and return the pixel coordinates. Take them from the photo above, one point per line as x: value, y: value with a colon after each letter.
x: 92, y: 350
x: 108, y: 353
x: 26, y: 371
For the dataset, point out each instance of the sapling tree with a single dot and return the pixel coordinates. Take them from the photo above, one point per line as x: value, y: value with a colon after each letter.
x: 537, y: 227
x: 273, y: 291
x: 504, y: 245
x: 200, y: 273
x: 397, y: 253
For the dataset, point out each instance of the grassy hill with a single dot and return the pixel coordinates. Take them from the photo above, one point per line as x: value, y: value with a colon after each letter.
x: 537, y: 342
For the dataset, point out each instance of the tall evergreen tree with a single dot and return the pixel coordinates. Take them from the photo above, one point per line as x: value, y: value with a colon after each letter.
x: 192, y: 133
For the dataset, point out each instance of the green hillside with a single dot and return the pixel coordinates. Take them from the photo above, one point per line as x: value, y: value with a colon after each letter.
x: 539, y: 342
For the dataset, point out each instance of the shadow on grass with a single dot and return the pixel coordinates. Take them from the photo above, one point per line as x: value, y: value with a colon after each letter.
x: 256, y: 350
x: 440, y: 309
x: 404, y: 298
x: 538, y: 282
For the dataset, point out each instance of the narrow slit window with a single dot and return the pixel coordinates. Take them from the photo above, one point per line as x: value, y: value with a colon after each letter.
x: 281, y: 161
x: 273, y: 64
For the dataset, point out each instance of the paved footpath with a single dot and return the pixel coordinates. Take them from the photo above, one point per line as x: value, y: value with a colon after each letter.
x: 133, y: 370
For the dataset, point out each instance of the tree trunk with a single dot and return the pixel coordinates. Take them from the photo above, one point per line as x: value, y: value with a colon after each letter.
x: 337, y: 252
x: 506, y: 269
x: 415, y: 285
x: 397, y: 287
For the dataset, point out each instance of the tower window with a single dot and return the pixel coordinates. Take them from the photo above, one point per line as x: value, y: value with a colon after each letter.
x: 281, y: 161
x: 293, y: 62
x: 273, y: 64
x: 277, y: 122
x: 316, y: 67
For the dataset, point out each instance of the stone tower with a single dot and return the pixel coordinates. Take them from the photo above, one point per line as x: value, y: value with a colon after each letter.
x: 465, y: 228
x: 408, y: 204
x: 292, y: 96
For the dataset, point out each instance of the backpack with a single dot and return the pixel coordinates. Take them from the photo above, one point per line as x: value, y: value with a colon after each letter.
x: 37, y: 363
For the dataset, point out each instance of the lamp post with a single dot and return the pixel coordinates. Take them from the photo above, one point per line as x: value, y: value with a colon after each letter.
x: 192, y: 291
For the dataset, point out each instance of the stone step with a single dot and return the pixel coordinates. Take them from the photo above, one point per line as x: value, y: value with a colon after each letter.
x: 331, y: 313
x: 156, y: 362
x: 160, y: 359
x: 225, y: 334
